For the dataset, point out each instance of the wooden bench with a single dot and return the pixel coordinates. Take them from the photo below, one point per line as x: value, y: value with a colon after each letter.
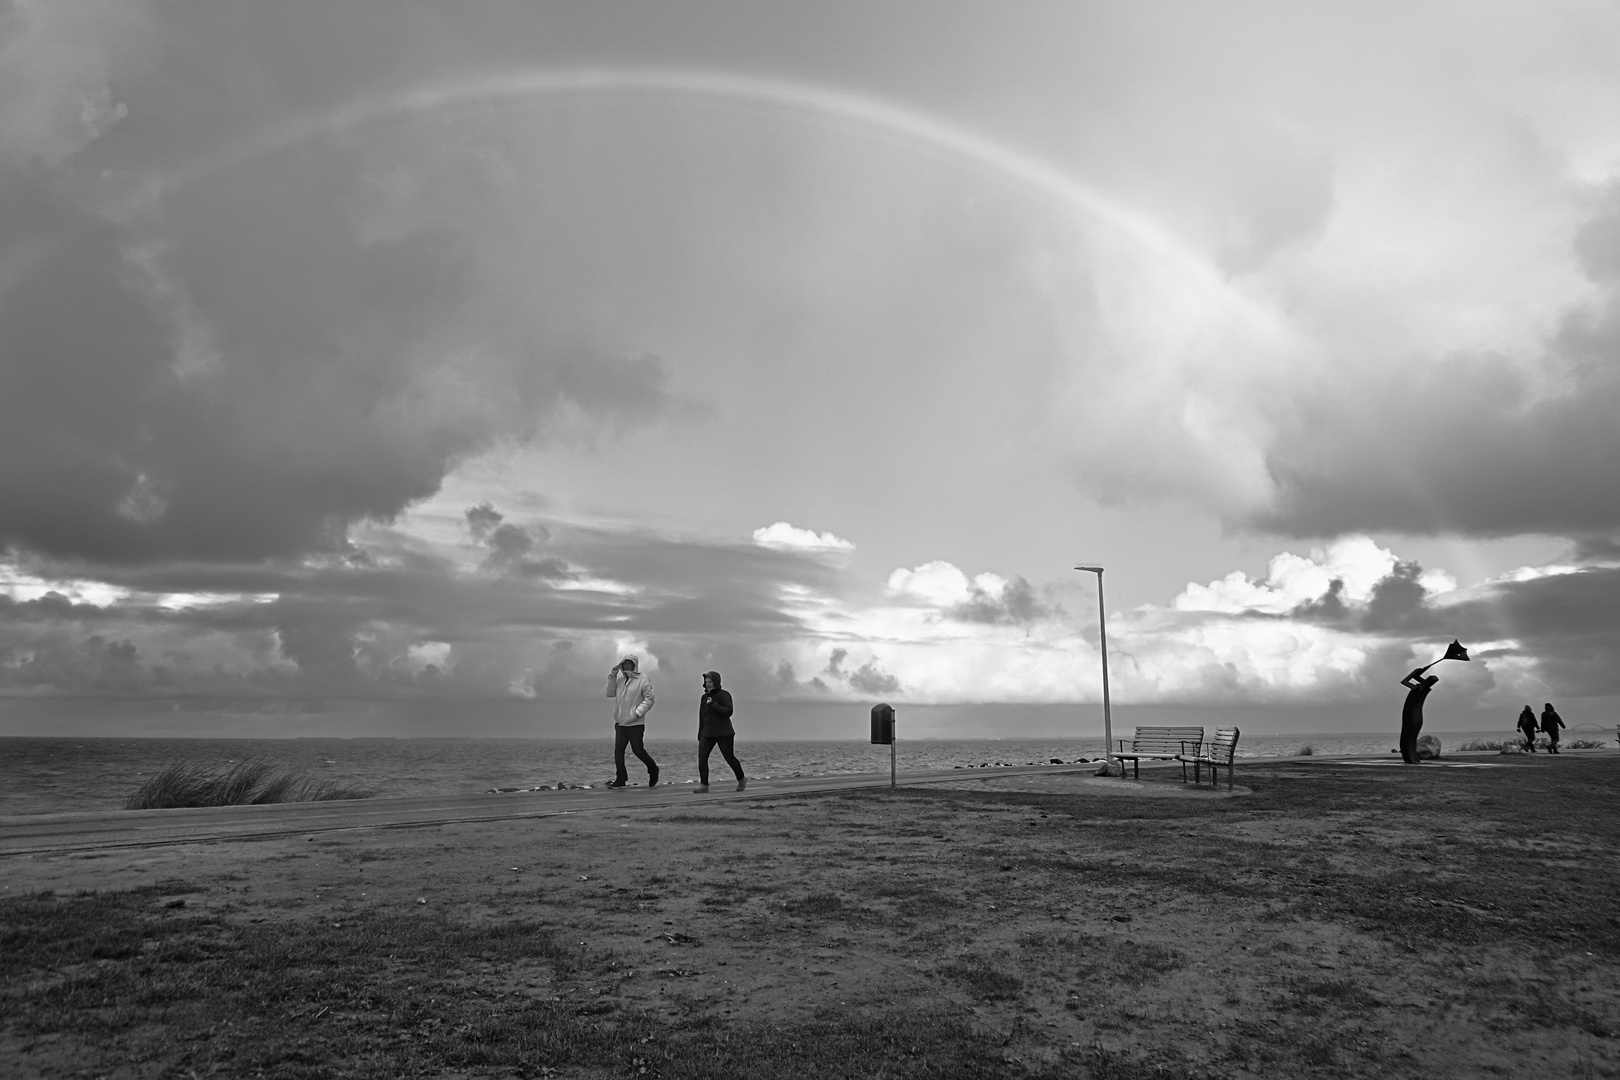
x: 1219, y: 752
x: 1161, y: 744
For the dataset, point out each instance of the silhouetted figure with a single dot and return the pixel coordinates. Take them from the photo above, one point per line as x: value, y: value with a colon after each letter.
x: 1527, y: 726
x: 1550, y: 723
x: 714, y: 729
x: 1418, y: 686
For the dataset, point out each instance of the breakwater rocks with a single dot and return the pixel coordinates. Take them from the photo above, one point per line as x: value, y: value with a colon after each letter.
x: 1014, y: 764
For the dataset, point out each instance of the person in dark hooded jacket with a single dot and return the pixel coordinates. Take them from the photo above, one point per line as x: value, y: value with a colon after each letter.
x: 1550, y: 723
x: 714, y: 729
x: 1527, y: 726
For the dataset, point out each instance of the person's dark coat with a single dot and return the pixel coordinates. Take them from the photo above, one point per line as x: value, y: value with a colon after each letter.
x: 1527, y: 722
x: 1551, y: 721
x: 714, y: 711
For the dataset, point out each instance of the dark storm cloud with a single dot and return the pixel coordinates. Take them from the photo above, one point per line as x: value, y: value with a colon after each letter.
x: 1567, y: 623
x: 1329, y: 608
x: 83, y: 367
x: 869, y: 678
x: 351, y: 624
x: 1564, y: 623
x: 1591, y: 549
x: 1476, y: 446
x: 511, y: 547
x: 255, y: 360
x: 1397, y: 602
x: 1016, y: 604
x: 319, y: 397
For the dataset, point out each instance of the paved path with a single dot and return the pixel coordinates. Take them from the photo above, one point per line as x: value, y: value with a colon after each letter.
x: 49, y: 833
x: 35, y: 834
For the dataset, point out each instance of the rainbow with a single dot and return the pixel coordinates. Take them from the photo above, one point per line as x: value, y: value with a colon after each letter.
x: 864, y: 112
x: 842, y: 106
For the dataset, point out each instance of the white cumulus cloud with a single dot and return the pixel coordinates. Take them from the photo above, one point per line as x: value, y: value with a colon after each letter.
x: 783, y: 535
x: 1292, y: 580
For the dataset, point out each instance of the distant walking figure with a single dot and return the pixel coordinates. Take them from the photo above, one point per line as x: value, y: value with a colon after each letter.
x: 1418, y: 686
x: 1527, y: 725
x: 1550, y: 723
x: 714, y: 729
x: 634, y: 697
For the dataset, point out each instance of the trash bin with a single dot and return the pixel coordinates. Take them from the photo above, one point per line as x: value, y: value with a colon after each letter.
x: 883, y: 725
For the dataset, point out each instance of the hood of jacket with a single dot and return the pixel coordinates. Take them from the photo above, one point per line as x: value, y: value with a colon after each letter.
x: 714, y: 677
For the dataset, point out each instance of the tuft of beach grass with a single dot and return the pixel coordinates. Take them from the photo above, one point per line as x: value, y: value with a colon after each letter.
x: 1508, y: 746
x: 247, y: 783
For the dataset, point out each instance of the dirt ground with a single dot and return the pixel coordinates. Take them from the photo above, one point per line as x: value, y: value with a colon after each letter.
x: 1324, y: 920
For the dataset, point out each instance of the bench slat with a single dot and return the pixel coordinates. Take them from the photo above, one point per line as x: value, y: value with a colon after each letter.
x: 1221, y: 751
x: 1163, y: 743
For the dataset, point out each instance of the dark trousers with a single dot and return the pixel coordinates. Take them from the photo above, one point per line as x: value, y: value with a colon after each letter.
x: 631, y: 737
x: 724, y: 742
x: 1552, y: 740
x: 1529, y: 739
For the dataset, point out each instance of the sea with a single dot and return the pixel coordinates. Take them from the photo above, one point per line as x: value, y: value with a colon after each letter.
x: 46, y: 775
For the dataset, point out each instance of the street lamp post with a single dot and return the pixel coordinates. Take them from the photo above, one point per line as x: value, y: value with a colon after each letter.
x: 1102, y: 631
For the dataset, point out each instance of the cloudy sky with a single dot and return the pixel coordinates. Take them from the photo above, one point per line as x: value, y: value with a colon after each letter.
x: 422, y: 352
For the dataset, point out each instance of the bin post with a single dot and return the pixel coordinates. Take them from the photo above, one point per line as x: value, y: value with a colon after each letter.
x: 883, y: 732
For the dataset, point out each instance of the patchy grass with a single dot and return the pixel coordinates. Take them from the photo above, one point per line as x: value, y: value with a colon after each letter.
x: 1317, y: 996
x: 1315, y: 928
x: 817, y: 905
x: 389, y: 996
x: 984, y: 977
x: 246, y: 783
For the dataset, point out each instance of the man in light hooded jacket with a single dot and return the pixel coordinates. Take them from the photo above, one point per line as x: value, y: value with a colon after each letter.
x: 633, y: 694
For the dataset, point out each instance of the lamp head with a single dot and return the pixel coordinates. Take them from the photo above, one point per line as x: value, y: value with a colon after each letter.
x: 1090, y: 569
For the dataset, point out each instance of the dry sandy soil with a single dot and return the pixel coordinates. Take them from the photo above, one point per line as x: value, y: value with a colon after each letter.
x: 1325, y: 920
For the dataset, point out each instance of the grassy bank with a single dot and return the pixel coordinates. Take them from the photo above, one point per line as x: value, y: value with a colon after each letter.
x: 393, y: 997
x: 1337, y: 922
